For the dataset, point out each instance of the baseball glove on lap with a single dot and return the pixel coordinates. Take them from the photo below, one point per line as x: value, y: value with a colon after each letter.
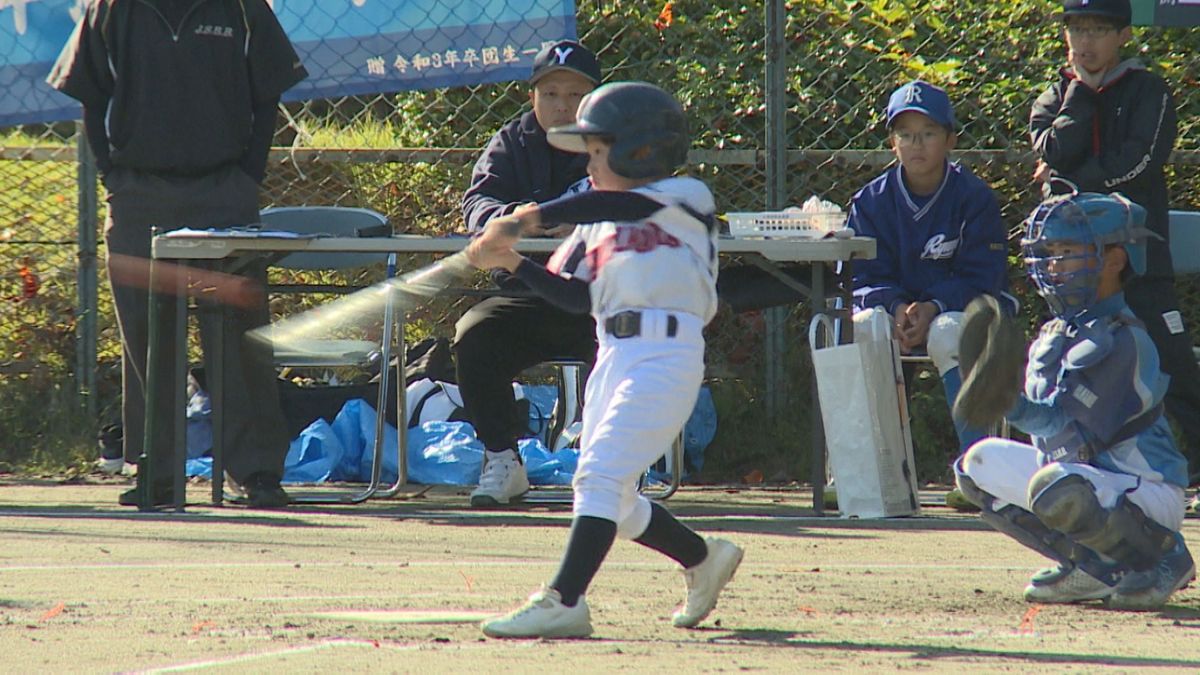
x: 991, y: 360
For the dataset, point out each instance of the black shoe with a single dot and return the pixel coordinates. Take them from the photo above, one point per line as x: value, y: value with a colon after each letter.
x: 264, y: 492
x: 161, y: 497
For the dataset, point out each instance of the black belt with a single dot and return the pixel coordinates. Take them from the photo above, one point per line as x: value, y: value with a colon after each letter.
x: 629, y: 324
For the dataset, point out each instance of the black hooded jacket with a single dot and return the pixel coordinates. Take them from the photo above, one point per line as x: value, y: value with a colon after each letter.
x: 518, y: 166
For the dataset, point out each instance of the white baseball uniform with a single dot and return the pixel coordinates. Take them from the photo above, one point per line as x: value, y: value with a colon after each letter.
x: 652, y: 287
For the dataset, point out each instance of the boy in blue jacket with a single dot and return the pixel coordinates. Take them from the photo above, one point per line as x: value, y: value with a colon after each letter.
x: 940, y: 242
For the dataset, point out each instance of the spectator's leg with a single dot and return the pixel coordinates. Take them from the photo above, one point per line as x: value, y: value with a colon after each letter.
x: 1154, y: 301
x: 497, y: 339
x: 942, y: 346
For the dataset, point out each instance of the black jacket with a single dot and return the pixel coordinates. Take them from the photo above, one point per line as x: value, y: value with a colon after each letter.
x: 518, y: 166
x: 177, y: 83
x: 1116, y: 139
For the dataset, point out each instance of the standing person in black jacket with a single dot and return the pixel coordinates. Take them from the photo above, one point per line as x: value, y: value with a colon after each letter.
x: 501, y: 336
x: 1108, y: 125
x: 179, y: 103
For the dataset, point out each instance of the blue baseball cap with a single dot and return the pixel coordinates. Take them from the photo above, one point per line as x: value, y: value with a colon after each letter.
x: 924, y: 98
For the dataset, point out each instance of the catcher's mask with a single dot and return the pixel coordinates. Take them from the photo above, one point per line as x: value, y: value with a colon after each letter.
x: 1090, y: 221
x: 646, y: 125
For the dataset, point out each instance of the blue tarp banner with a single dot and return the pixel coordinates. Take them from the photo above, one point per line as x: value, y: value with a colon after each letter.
x: 349, y: 46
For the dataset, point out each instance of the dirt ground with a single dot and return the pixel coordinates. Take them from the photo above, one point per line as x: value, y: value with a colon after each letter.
x: 399, y: 586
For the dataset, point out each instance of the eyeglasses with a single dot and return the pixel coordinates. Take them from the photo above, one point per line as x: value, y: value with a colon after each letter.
x: 922, y: 138
x: 1090, y: 32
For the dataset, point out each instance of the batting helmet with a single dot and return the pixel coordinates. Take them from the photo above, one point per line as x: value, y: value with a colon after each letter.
x: 646, y: 125
x: 1069, y: 281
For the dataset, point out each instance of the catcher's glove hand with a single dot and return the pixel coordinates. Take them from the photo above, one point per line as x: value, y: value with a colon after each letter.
x: 991, y: 360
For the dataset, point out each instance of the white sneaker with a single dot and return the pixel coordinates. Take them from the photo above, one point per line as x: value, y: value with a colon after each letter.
x: 705, y: 581
x: 542, y: 616
x: 1070, y: 586
x: 110, y: 466
x: 502, y: 480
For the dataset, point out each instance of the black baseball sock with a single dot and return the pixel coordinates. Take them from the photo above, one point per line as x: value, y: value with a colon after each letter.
x: 672, y: 538
x: 590, y: 540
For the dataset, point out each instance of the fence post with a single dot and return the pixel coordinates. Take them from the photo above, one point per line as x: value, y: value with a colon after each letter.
x: 776, y: 171
x: 85, y: 274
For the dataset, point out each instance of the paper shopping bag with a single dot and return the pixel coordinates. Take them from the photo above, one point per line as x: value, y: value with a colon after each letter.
x: 864, y: 412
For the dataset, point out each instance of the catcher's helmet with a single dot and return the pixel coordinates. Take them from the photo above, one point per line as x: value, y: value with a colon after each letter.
x: 646, y: 125
x: 1088, y: 218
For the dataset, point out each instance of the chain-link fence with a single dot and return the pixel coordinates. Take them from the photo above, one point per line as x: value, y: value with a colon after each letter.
x: 785, y: 102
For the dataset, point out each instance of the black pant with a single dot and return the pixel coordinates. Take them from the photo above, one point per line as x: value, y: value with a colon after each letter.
x: 254, y: 431
x: 497, y: 339
x: 1150, y: 298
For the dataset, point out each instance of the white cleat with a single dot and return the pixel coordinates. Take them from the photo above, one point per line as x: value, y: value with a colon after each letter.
x: 502, y: 480
x: 542, y: 616
x: 705, y: 581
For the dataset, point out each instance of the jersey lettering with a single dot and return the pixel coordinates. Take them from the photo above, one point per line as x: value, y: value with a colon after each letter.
x: 215, y: 31
x: 938, y: 248
x: 636, y: 238
x: 643, y: 239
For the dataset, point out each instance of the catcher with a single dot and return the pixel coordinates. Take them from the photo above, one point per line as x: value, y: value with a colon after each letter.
x: 1101, y: 490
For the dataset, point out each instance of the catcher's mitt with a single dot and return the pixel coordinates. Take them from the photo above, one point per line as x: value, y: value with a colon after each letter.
x: 991, y: 360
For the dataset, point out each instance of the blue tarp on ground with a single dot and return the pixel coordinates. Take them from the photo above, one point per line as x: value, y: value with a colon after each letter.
x: 443, y: 453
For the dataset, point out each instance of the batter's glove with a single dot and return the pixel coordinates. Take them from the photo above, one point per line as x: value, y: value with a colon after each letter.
x: 991, y: 360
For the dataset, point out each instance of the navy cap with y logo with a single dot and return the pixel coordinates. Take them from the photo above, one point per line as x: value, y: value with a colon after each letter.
x: 1118, y: 10
x: 924, y: 98
x: 566, y: 55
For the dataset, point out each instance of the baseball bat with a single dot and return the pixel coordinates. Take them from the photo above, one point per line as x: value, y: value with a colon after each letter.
x: 407, y: 292
x: 171, y: 278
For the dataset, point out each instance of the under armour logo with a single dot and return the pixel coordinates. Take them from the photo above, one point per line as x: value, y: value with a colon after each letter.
x: 912, y: 95
x: 561, y: 53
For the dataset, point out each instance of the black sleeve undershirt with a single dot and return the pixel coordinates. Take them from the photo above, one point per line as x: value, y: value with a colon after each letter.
x: 595, y: 206
x: 569, y: 295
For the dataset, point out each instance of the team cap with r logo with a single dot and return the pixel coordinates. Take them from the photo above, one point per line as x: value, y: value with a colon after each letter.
x: 924, y: 98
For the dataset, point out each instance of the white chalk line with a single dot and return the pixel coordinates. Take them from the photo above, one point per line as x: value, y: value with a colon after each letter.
x: 290, y: 651
x: 792, y: 565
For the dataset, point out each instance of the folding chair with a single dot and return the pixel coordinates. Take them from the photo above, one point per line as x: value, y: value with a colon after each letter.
x: 570, y: 378
x: 321, y: 353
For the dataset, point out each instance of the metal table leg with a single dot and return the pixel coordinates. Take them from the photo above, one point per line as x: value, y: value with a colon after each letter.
x: 390, y: 321
x: 817, y: 298
x: 154, y: 461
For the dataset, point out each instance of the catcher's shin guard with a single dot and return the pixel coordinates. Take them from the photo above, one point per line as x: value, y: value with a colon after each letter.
x: 1025, y: 527
x: 1067, y: 503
